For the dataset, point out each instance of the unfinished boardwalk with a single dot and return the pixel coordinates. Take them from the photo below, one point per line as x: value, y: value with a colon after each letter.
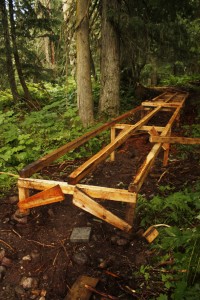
x: 84, y: 196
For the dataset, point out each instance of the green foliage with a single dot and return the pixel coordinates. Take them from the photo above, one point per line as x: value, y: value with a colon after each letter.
x: 175, y: 209
x: 178, y: 243
x: 25, y: 136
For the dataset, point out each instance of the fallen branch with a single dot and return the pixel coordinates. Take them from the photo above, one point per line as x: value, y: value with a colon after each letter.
x: 100, y: 293
x: 6, y: 244
x: 41, y: 244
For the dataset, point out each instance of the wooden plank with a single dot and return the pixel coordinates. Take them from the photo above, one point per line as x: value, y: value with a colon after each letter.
x: 47, y: 159
x: 91, y: 164
x: 162, y: 104
x: 112, y: 138
x: 78, y: 290
x: 174, y: 140
x: 84, y: 202
x: 143, y: 128
x: 93, y: 191
x: 45, y: 197
x: 147, y: 164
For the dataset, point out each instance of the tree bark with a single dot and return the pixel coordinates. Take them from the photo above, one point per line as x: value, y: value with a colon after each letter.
x: 110, y: 59
x: 9, y: 63
x: 15, y: 52
x: 84, y: 85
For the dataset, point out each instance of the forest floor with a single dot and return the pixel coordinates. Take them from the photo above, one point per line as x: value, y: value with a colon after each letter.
x: 38, y: 261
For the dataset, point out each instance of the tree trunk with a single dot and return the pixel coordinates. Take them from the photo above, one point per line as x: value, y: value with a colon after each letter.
x: 84, y: 85
x: 15, y: 52
x: 110, y: 59
x: 9, y: 63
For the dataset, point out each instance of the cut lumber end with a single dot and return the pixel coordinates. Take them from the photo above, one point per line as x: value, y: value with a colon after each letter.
x: 150, y: 234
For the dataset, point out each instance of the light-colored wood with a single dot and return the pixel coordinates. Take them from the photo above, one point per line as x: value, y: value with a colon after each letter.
x: 78, y: 290
x: 143, y: 128
x: 147, y: 164
x: 93, y: 191
x: 84, y: 202
x: 174, y: 140
x: 23, y: 194
x: 112, y: 138
x: 91, y: 164
x: 45, y: 197
x: 47, y: 159
x: 150, y: 234
x: 163, y: 104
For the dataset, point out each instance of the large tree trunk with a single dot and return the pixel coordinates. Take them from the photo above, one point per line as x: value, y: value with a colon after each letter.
x: 110, y: 59
x: 9, y: 63
x: 15, y: 52
x: 84, y: 86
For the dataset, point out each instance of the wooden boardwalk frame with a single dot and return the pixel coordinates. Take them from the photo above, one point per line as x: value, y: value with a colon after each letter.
x: 84, y: 195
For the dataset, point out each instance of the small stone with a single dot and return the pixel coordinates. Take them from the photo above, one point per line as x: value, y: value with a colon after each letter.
x: 2, y: 254
x: 28, y: 283
x: 80, y: 258
x: 35, y: 254
x: 80, y: 234
x: 26, y: 258
x: 122, y: 242
x: 21, y: 214
x: 20, y: 220
x: 6, y: 262
x: 13, y: 199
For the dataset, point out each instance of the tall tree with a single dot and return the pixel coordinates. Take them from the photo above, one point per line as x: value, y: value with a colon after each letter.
x: 16, y: 54
x: 84, y: 85
x: 9, y: 62
x: 110, y: 58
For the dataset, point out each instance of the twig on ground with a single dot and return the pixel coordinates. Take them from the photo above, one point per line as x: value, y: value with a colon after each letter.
x: 55, y: 258
x: 6, y: 244
x: 13, y: 230
x: 100, y: 293
x: 41, y: 244
x: 163, y: 174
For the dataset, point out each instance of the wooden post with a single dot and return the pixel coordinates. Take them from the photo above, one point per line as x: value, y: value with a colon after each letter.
x: 23, y: 194
x: 166, y: 147
x: 112, y: 137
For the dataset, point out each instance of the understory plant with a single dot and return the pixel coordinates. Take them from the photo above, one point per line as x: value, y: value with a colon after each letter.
x: 176, y: 266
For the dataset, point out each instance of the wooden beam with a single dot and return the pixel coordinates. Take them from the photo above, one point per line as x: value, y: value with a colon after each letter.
x: 91, y: 164
x: 143, y: 128
x: 162, y: 104
x: 174, y: 140
x: 47, y: 159
x: 45, y: 197
x: 83, y: 201
x: 93, y: 191
x: 147, y: 164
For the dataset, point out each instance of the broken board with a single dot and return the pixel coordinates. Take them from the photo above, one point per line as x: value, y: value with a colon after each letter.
x: 78, y: 291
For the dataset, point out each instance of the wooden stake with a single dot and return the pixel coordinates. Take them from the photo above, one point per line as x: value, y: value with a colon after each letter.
x: 112, y: 137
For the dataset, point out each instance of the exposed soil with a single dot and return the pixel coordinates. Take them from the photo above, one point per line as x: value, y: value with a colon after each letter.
x: 41, y: 249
